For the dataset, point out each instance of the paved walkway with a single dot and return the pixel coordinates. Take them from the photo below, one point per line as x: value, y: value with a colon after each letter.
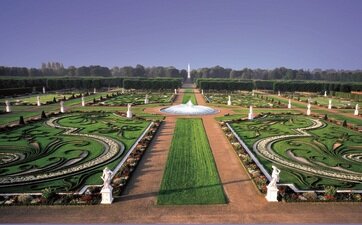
x: 138, y: 203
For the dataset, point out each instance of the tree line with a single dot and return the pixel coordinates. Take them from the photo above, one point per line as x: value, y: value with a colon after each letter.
x: 14, y: 86
x: 277, y: 85
x: 281, y: 73
x: 53, y: 69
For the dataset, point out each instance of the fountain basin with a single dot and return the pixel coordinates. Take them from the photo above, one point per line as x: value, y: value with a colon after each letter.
x: 189, y: 109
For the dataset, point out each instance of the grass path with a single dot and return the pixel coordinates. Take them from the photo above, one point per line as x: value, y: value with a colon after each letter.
x: 190, y: 176
x: 189, y: 95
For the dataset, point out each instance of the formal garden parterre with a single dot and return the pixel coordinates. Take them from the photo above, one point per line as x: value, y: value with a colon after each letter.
x: 65, y: 152
x: 313, y: 154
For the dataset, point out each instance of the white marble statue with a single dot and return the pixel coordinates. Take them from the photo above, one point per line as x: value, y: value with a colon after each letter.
x: 129, y: 112
x: 250, y: 115
x: 175, y: 91
x: 325, y: 93
x: 107, y: 178
x: 37, y: 100
x: 146, y: 99
x: 252, y: 93
x: 356, y: 113
x: 330, y: 104
x: 94, y: 90
x: 7, y: 106
x: 43, y: 90
x: 229, y: 101
x: 278, y: 93
x: 272, y: 189
x: 289, y: 104
x: 308, y: 109
x: 83, y: 102
x: 61, y: 106
x: 107, y: 197
x: 202, y: 91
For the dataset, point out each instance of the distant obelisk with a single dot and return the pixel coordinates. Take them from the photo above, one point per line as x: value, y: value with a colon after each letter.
x: 188, y: 71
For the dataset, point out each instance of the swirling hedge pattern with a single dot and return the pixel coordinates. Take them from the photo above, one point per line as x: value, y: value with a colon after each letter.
x: 312, y: 153
x: 64, y: 152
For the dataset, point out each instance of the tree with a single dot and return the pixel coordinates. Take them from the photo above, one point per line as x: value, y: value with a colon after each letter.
x: 21, y: 120
x: 43, y: 116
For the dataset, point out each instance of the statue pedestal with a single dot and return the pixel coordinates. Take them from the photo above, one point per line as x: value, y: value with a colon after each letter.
x: 107, y: 197
x: 272, y: 194
x: 356, y: 112
x: 308, y: 112
x: 146, y: 101
x: 129, y: 114
x: 229, y: 102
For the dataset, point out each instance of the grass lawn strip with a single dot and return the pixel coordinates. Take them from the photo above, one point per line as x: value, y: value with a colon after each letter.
x: 190, y: 176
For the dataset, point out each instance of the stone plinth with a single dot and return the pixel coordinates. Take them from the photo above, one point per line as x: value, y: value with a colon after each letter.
x: 107, y: 197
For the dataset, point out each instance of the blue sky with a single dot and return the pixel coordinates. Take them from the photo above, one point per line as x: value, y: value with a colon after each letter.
x: 235, y: 34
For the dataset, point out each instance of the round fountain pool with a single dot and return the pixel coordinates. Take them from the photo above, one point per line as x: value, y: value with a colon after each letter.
x: 189, y: 109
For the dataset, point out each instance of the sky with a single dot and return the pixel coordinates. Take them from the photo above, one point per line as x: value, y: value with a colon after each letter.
x: 235, y: 34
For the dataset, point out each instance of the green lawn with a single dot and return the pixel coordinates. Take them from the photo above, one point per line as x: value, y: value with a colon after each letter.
x: 190, y: 176
x: 189, y: 95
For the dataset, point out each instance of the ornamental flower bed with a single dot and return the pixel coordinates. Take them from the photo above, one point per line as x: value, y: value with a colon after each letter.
x: 286, y: 194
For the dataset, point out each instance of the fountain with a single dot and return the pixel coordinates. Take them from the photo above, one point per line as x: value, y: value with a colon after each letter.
x: 189, y: 109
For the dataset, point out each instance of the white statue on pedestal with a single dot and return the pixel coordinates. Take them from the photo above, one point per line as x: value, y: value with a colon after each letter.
x: 129, y: 112
x: 146, y: 99
x: 272, y: 189
x: 308, y: 109
x: 229, y: 101
x: 43, y: 90
x: 330, y: 104
x: 175, y: 91
x: 83, y: 102
x: 7, y: 107
x: 356, y: 110
x: 325, y: 93
x: 61, y: 106
x: 94, y: 90
x: 278, y: 93
x: 106, y: 191
x: 250, y: 115
x: 202, y: 91
x: 252, y: 93
x: 289, y: 104
x: 37, y: 100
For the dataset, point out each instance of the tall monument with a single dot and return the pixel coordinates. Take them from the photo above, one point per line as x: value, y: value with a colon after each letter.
x: 188, y: 71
